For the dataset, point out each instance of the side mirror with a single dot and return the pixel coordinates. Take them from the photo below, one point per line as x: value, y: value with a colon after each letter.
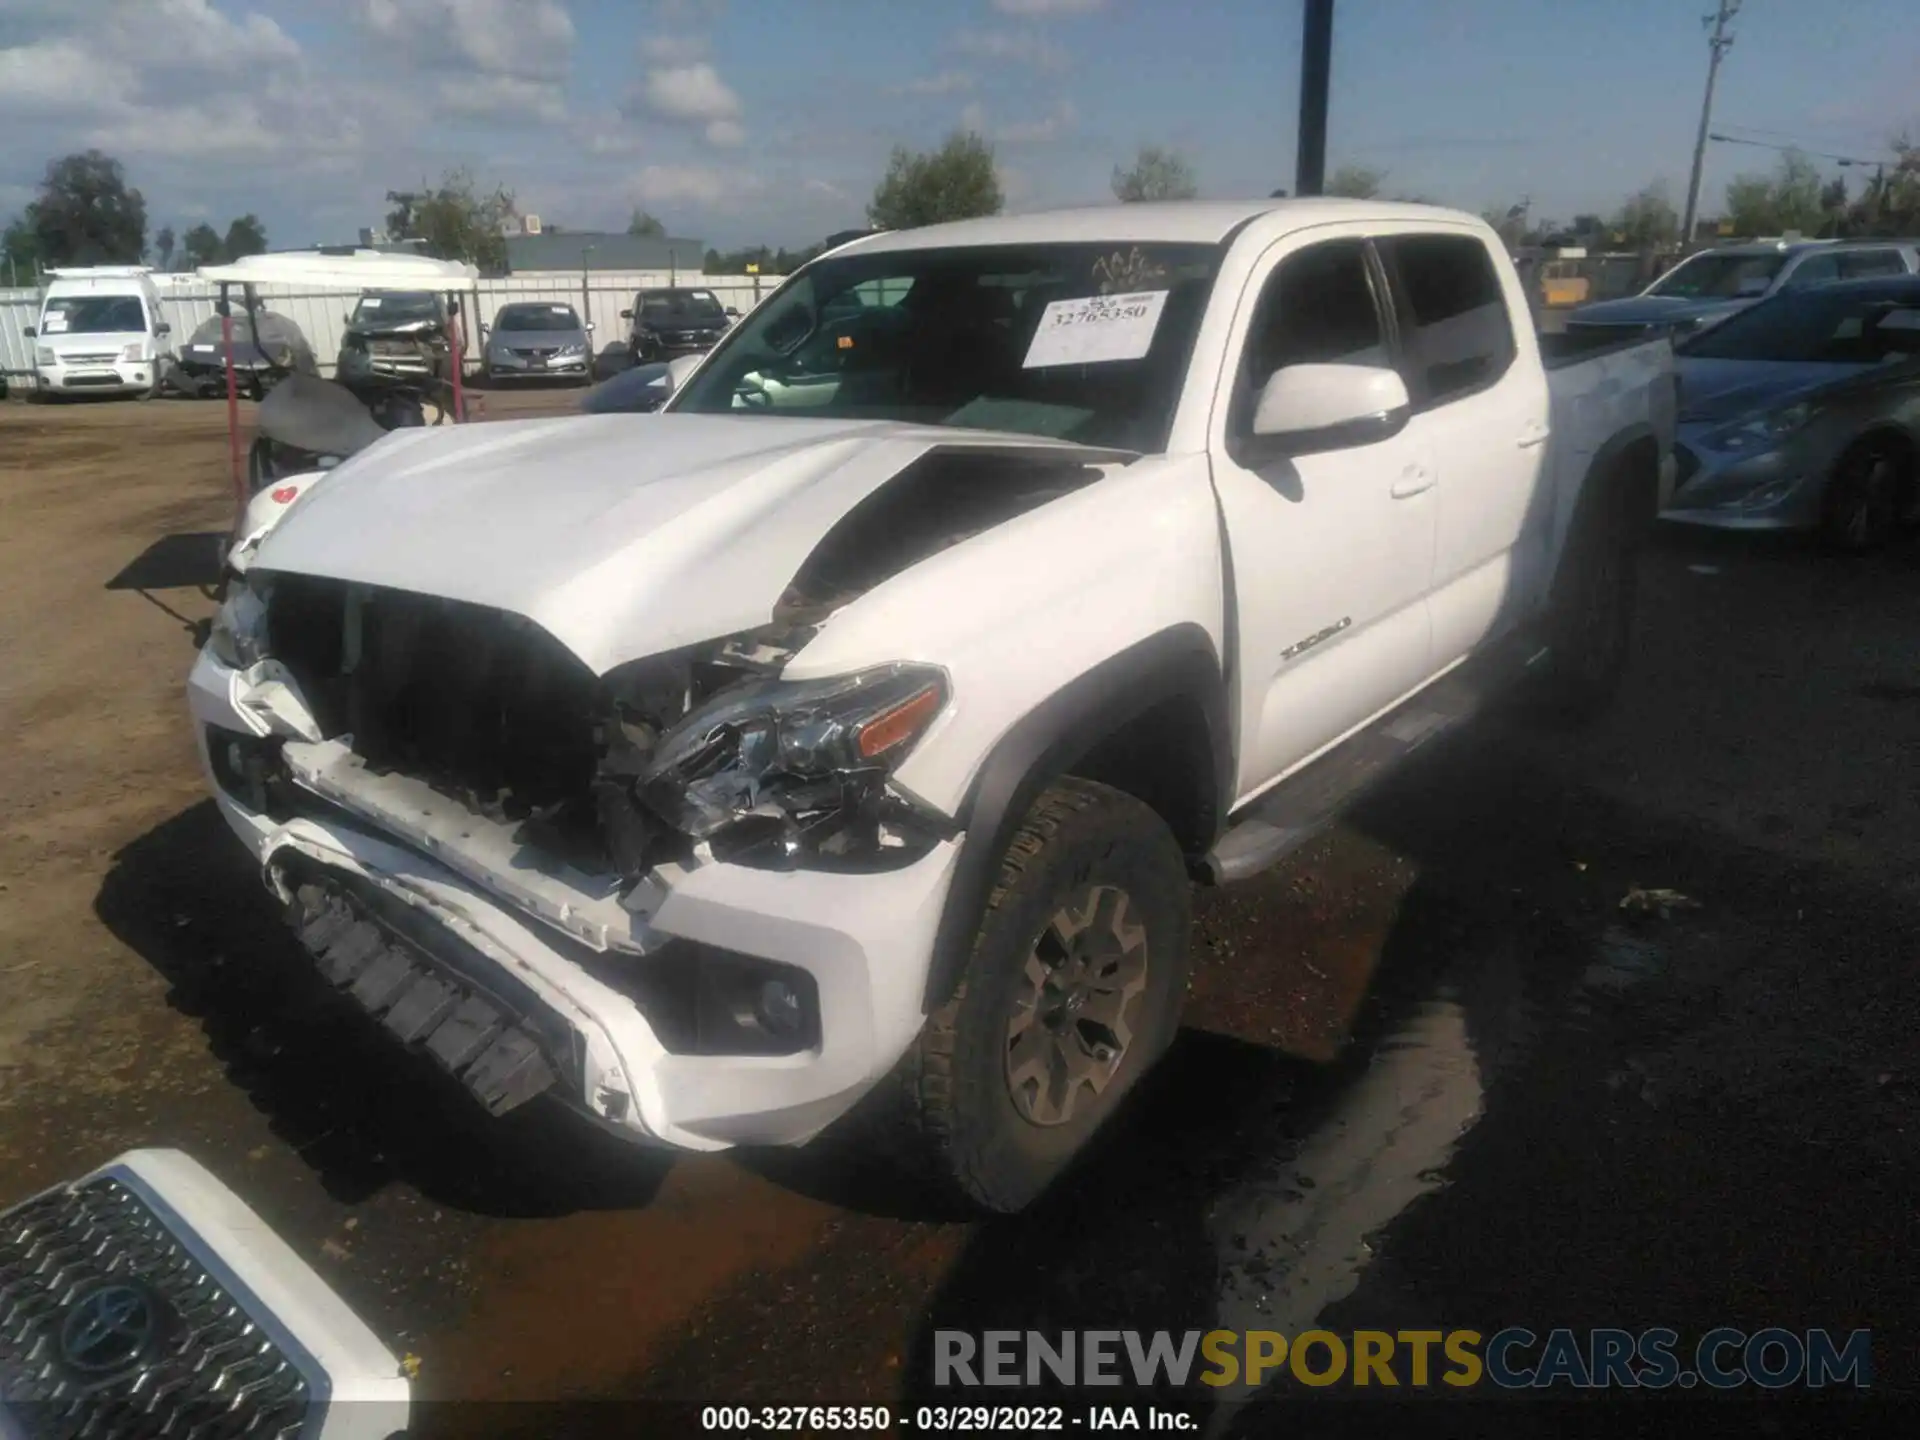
x: 1307, y: 408
x: 163, y: 328
x: 590, y: 327
x: 29, y: 331
x: 346, y: 319
x: 732, y: 314
x: 626, y: 314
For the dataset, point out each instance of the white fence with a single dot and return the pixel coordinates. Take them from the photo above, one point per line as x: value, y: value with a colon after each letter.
x: 321, y: 315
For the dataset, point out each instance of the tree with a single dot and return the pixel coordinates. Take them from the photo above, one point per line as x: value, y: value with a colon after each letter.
x: 1356, y: 182
x: 1889, y: 204
x: 1788, y: 199
x: 163, y: 243
x: 455, y: 220
x: 200, y: 246
x: 1509, y: 220
x: 22, y: 248
x: 1156, y: 175
x: 1647, y: 220
x: 87, y: 214
x: 955, y: 182
x: 644, y: 224
x: 245, y: 236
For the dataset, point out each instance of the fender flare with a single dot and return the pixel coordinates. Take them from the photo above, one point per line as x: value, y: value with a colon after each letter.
x: 1180, y: 661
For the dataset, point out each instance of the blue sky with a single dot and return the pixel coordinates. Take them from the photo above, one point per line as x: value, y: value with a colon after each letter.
x: 742, y: 121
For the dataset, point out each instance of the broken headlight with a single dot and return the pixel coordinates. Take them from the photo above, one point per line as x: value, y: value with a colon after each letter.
x: 238, y: 636
x: 768, y: 768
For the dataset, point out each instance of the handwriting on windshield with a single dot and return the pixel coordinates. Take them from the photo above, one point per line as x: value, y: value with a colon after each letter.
x: 1126, y: 270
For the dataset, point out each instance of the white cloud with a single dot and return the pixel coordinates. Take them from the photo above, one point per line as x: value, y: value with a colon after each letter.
x: 1016, y: 47
x: 1051, y: 126
x: 673, y: 49
x: 726, y: 133
x: 527, y: 39
x: 947, y: 82
x: 700, y: 184
x: 1048, y: 7
x: 690, y: 93
x: 973, y: 116
x: 826, y: 187
x: 503, y: 97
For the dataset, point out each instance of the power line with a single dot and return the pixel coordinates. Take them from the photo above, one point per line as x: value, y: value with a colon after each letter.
x: 1718, y: 43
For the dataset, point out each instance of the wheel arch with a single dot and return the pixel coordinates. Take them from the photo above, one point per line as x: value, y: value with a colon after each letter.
x: 1150, y: 721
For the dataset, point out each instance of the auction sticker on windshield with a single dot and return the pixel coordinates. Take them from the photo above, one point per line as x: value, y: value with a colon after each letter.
x: 1095, y: 329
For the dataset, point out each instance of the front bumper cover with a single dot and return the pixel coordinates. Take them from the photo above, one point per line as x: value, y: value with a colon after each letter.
x: 550, y: 949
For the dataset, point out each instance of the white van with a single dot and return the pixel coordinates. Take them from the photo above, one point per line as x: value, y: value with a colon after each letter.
x: 100, y: 331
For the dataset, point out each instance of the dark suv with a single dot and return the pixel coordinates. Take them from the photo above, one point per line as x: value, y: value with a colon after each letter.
x: 674, y: 322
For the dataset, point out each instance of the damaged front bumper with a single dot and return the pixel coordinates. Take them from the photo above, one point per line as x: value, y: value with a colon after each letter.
x: 522, y: 974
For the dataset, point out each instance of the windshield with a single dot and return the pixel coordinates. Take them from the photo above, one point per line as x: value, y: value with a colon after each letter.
x: 681, y: 307
x: 536, y: 317
x: 1823, y: 326
x: 396, y: 309
x: 1720, y: 276
x: 1085, y: 342
x: 94, y: 315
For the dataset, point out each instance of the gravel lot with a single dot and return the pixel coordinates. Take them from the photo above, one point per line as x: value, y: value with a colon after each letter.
x: 1434, y: 1073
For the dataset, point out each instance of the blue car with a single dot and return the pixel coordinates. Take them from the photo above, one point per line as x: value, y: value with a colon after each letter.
x: 1708, y: 287
x: 1803, y: 412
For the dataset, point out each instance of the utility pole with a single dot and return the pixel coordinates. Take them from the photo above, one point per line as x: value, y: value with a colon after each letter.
x: 1316, y: 67
x: 1718, y: 43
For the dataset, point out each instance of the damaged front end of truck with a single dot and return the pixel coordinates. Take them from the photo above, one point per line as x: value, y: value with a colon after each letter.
x: 492, y: 766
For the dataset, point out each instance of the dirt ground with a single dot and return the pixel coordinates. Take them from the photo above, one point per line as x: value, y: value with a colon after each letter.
x: 1434, y: 1074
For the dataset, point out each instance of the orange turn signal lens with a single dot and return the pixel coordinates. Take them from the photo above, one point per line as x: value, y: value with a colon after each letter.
x: 898, y: 726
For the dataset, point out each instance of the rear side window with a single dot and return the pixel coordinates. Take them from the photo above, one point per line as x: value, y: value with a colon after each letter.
x: 1863, y: 264
x: 1818, y: 270
x: 1455, y: 331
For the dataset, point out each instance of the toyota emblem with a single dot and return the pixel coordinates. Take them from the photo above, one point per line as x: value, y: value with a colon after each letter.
x: 111, y: 1330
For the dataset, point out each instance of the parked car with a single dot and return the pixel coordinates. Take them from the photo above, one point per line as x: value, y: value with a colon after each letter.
x: 280, y: 349
x: 1707, y: 287
x: 100, y: 331
x: 396, y: 334
x: 146, y: 1298
x: 674, y: 322
x: 708, y: 768
x: 538, y: 340
x: 1804, y: 412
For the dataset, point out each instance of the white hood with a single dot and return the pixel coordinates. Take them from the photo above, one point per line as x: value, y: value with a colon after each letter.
x: 621, y: 535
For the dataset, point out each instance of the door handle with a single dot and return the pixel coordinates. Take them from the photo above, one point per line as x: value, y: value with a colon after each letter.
x: 1413, y: 480
x: 1531, y: 436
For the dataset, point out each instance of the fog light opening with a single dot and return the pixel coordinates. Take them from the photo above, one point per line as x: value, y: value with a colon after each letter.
x: 779, y: 1009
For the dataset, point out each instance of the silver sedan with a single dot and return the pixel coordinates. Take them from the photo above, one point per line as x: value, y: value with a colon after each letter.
x: 539, y: 341
x: 1803, y: 412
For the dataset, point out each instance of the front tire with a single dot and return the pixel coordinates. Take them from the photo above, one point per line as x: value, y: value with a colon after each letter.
x: 1861, y: 507
x: 1073, y: 990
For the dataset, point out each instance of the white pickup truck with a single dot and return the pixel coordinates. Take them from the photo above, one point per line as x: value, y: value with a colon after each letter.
x: 863, y: 715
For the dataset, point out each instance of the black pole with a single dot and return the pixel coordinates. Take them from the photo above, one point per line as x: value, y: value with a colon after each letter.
x: 1316, y: 67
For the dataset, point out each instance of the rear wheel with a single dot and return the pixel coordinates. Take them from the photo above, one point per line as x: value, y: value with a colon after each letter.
x: 1590, y: 617
x: 1861, y: 507
x: 1073, y: 990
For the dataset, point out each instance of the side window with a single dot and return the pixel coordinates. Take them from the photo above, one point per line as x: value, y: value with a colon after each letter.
x: 1317, y: 308
x: 1814, y: 270
x: 1453, y: 315
x: 1862, y: 264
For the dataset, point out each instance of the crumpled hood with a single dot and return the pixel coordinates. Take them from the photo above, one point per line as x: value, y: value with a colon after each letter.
x: 1716, y: 391
x: 1655, y: 310
x: 621, y: 535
